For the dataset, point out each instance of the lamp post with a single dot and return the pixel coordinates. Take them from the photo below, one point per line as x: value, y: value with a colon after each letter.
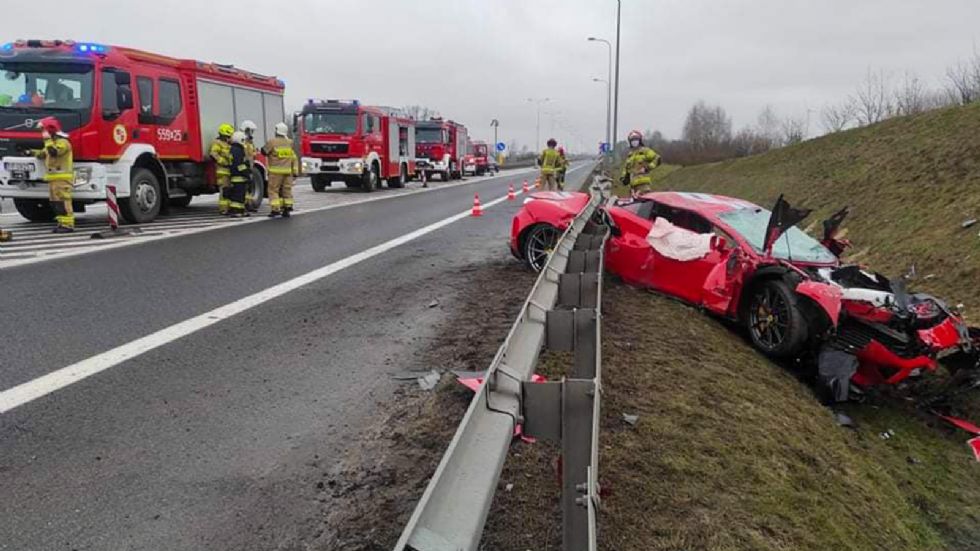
x: 495, y: 123
x: 608, y: 82
x: 619, y: 7
x: 537, y: 124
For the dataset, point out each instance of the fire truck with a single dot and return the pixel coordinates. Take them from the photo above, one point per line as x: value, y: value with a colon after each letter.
x: 359, y: 145
x: 139, y: 121
x: 441, y: 146
x: 478, y: 158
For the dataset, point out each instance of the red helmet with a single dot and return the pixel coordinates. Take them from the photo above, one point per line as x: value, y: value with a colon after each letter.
x: 51, y: 124
x: 635, y: 134
x: 561, y: 150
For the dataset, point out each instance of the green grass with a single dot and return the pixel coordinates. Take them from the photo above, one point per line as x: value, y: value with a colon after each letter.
x: 732, y: 451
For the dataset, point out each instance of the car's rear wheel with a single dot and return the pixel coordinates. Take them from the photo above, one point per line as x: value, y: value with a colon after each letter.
x: 775, y: 321
x: 538, y: 243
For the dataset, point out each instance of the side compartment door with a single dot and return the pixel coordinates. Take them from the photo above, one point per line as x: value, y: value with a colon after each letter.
x: 172, y: 138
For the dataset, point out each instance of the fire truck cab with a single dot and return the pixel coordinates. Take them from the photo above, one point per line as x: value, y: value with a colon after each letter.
x: 359, y: 145
x: 441, y: 146
x: 138, y: 121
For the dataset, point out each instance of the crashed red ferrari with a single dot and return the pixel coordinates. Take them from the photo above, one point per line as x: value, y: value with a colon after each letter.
x: 788, y: 290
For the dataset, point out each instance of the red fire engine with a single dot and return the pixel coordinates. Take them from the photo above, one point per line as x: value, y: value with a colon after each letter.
x: 441, y: 146
x: 139, y: 121
x: 360, y: 145
x: 478, y: 158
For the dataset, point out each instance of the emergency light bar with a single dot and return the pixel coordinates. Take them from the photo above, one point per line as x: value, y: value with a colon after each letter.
x: 87, y: 48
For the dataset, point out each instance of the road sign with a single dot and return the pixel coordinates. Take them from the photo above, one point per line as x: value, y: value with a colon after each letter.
x: 501, y: 146
x: 603, y: 147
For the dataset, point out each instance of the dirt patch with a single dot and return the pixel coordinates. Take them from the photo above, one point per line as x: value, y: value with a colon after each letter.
x: 369, y: 496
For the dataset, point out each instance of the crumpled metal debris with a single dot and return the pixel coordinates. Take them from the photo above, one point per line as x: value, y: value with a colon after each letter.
x: 429, y: 380
x: 968, y: 223
x: 631, y: 419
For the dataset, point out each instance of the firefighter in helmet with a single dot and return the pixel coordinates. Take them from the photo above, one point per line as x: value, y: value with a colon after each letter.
x: 562, y: 167
x: 283, y: 167
x: 240, y: 176
x: 639, y: 165
x: 549, y: 161
x: 220, y: 153
x: 248, y: 128
x: 60, y: 175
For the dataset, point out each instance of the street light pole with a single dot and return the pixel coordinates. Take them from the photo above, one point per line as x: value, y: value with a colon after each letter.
x: 619, y: 7
x: 537, y: 125
x: 608, y: 82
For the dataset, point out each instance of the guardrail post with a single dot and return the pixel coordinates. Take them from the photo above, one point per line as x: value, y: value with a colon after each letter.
x: 576, y: 453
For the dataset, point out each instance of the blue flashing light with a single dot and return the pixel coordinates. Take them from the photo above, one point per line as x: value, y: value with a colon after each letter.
x: 87, y: 48
x: 7, y: 47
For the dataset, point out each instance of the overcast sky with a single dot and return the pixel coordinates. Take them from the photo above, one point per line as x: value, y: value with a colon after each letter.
x: 478, y: 60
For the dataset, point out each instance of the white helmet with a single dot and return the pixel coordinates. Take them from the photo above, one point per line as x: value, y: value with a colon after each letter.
x: 248, y: 127
x: 238, y: 137
x: 282, y: 129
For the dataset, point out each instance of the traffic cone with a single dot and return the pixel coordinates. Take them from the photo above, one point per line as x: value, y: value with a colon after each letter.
x: 525, y: 190
x: 510, y: 193
x: 477, y: 208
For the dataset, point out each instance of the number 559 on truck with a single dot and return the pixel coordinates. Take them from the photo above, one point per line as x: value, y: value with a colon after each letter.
x: 139, y: 121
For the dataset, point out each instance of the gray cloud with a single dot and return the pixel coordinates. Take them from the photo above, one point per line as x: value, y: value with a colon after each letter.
x: 478, y: 60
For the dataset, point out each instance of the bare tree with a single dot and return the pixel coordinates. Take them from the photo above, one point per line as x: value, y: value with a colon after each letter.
x: 837, y: 117
x: 707, y: 128
x: 962, y: 81
x: 910, y: 96
x: 872, y: 101
x: 767, y: 128
x: 420, y: 112
x: 793, y: 130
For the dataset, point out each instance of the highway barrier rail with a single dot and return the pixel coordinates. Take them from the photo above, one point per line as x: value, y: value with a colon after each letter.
x: 561, y: 314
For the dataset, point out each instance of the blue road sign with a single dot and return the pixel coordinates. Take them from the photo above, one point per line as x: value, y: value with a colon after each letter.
x: 501, y: 146
x: 603, y: 147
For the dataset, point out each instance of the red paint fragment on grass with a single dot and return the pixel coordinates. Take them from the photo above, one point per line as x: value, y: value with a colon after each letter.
x: 962, y: 424
x: 473, y: 383
x: 975, y: 446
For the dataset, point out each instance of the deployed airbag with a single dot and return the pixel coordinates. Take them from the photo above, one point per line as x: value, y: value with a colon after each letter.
x: 678, y: 243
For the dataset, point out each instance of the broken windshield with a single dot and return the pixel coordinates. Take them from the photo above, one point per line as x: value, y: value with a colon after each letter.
x: 793, y: 245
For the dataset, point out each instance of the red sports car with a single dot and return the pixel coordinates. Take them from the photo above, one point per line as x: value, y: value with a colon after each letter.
x: 754, y: 266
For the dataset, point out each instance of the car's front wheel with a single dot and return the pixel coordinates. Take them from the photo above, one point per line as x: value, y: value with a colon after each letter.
x: 775, y: 322
x: 538, y: 243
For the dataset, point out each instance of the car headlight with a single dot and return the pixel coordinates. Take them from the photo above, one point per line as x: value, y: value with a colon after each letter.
x: 83, y: 175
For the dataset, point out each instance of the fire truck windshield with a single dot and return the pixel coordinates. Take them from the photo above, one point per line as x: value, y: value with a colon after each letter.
x: 430, y: 135
x: 330, y: 123
x: 480, y: 150
x: 55, y: 86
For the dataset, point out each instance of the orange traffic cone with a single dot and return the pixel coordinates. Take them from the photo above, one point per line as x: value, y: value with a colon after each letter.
x: 510, y: 193
x: 525, y: 190
x: 477, y: 208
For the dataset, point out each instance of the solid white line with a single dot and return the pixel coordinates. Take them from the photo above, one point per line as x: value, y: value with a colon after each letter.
x: 127, y: 241
x: 56, y: 380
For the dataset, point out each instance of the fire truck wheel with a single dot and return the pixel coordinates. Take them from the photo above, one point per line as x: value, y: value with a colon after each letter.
x: 399, y: 182
x: 144, y: 201
x: 444, y: 176
x: 320, y: 182
x: 181, y: 201
x: 256, y: 188
x: 35, y: 210
x: 371, y: 180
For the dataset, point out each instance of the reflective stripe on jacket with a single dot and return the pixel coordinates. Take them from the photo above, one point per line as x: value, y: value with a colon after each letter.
x: 58, y: 159
x: 640, y: 164
x: 220, y: 153
x: 549, y: 160
x: 281, y: 157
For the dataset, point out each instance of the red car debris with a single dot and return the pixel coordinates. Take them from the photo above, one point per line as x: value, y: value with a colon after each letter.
x: 753, y: 266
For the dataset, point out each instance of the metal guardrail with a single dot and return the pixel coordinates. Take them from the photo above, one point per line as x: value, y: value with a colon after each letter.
x: 561, y: 313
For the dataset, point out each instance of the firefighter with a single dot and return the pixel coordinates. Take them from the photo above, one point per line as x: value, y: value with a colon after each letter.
x: 220, y: 152
x: 639, y: 165
x: 283, y: 167
x: 249, y: 128
x: 60, y: 175
x: 562, y: 167
x: 549, y: 161
x: 239, y: 178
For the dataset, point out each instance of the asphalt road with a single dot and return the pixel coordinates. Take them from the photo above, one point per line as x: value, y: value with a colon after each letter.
x: 213, y: 441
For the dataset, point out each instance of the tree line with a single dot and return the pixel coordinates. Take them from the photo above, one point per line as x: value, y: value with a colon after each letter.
x: 708, y: 135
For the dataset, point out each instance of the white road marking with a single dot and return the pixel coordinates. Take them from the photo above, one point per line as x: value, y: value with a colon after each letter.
x: 56, y: 380
x: 19, y: 258
x: 61, y: 378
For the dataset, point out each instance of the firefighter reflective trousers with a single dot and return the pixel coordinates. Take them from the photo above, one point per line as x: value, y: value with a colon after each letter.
x: 281, y: 192
x: 549, y: 182
x: 59, y: 193
x: 234, y: 194
x: 223, y: 181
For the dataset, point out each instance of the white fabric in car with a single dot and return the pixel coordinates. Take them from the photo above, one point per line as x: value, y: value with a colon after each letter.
x: 678, y: 243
